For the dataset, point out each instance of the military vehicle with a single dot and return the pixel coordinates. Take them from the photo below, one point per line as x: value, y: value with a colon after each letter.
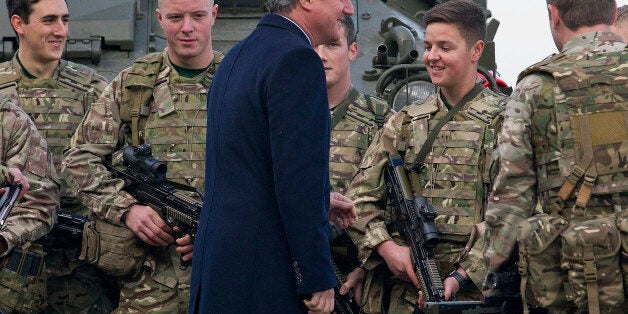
x: 110, y: 35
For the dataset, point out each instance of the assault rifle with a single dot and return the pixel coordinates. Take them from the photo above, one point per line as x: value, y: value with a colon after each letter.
x: 415, y: 222
x: 145, y: 179
x: 8, y: 200
x: 343, y: 304
x: 67, y: 233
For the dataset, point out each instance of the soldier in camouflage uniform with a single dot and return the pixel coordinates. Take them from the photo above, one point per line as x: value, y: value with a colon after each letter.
x: 356, y: 118
x: 56, y: 94
x: 24, y: 159
x: 159, y: 100
x: 564, y: 143
x: 456, y: 176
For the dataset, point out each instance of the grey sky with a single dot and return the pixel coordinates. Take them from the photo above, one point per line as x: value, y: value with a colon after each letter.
x: 523, y: 37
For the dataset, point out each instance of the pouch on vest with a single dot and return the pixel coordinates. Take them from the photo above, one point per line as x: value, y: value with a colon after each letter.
x: 23, y: 280
x: 590, y: 257
x: 114, y: 249
x: 622, y: 225
x: 539, y: 260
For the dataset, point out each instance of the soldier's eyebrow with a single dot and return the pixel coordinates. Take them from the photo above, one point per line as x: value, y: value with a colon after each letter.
x: 54, y: 17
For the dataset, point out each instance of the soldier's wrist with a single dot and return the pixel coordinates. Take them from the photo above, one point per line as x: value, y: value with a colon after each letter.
x: 460, y: 278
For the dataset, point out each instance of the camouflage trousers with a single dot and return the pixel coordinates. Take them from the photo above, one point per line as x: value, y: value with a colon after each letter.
x: 160, y: 286
x: 84, y: 290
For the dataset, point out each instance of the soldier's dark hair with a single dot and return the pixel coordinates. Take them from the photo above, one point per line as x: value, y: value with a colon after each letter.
x: 285, y: 6
x: 622, y: 15
x: 21, y: 8
x: 579, y: 13
x: 468, y: 17
x: 347, y: 24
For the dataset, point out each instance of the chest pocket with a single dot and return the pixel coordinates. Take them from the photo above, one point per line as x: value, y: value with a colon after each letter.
x: 348, y: 143
x: 176, y: 130
x: 56, y: 114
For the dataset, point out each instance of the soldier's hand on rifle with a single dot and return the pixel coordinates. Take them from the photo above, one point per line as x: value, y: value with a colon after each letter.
x: 148, y: 225
x: 451, y: 284
x: 185, y: 247
x: 341, y: 210
x: 321, y: 302
x: 18, y: 177
x: 355, y: 282
x: 398, y: 260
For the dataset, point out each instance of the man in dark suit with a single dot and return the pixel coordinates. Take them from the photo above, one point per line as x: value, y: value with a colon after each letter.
x: 262, y: 243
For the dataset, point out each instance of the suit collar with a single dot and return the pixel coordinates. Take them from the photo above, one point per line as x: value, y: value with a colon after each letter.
x: 281, y: 21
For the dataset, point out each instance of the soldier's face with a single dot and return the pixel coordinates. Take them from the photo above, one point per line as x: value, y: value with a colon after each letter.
x: 187, y: 25
x: 449, y: 60
x: 42, y: 39
x: 336, y: 57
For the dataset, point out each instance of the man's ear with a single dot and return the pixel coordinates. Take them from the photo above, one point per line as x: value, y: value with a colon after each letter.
x: 353, y: 51
x: 477, y: 50
x: 306, y: 4
x: 554, y: 16
x: 18, y: 24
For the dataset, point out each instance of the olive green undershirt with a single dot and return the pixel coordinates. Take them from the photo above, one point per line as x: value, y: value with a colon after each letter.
x: 188, y: 73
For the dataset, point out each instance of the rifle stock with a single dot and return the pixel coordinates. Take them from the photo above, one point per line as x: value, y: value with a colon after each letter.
x: 415, y: 222
x: 67, y: 233
x: 144, y: 179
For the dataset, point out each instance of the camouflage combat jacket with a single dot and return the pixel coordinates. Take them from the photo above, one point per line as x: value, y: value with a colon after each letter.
x: 171, y: 116
x: 24, y: 148
x: 352, y: 136
x: 541, y: 140
x: 456, y: 179
x: 56, y: 105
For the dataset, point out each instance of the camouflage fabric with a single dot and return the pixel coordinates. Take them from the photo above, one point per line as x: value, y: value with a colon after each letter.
x: 544, y: 137
x: 175, y: 126
x: 33, y: 216
x: 56, y: 105
x: 24, y: 148
x: 456, y: 179
x: 352, y: 136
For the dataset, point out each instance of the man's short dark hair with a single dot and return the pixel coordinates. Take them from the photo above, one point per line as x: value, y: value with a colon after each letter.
x: 579, y: 13
x: 468, y: 17
x: 21, y: 8
x: 349, y: 28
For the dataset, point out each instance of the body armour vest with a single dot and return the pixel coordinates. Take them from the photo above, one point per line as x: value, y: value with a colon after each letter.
x: 352, y: 136
x: 458, y: 171
x: 173, y: 111
x: 56, y: 105
x: 581, y: 143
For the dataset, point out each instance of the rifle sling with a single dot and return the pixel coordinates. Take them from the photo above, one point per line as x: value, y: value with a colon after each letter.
x: 429, y: 141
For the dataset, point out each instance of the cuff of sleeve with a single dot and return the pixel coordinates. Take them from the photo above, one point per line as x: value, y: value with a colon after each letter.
x: 122, y: 204
x: 475, y: 268
x: 10, y: 242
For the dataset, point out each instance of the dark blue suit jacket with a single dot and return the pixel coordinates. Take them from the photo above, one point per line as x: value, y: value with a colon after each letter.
x: 262, y: 241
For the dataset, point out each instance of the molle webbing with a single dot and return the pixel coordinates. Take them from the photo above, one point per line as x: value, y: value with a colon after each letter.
x: 592, y: 123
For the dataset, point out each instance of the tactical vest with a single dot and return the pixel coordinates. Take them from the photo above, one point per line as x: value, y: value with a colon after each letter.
x: 580, y: 143
x: 170, y: 113
x: 56, y: 105
x: 352, y: 136
x: 458, y: 171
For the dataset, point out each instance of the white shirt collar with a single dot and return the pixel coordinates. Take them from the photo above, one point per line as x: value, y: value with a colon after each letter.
x: 306, y: 36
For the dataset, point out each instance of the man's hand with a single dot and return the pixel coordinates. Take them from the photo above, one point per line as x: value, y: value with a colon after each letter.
x: 341, y: 210
x: 185, y: 247
x: 451, y: 286
x: 18, y: 177
x: 399, y: 261
x: 355, y: 282
x: 321, y: 302
x: 148, y: 225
